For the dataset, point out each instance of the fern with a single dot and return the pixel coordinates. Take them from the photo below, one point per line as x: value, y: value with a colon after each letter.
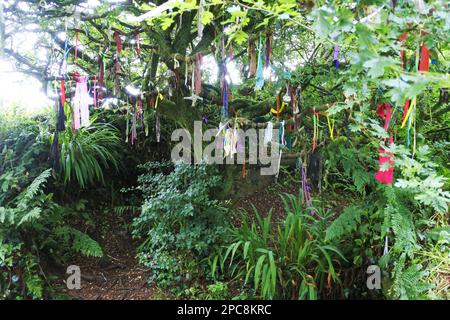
x: 408, y: 282
x: 31, y: 215
x: 399, y: 219
x: 361, y: 178
x: 86, y: 245
x: 81, y: 242
x: 120, y: 210
x: 347, y: 222
x: 35, y: 186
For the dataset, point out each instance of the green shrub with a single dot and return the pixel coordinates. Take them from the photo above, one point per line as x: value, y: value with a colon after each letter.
x: 88, y: 152
x: 289, y: 260
x: 180, y: 221
x: 32, y: 225
x: 33, y: 228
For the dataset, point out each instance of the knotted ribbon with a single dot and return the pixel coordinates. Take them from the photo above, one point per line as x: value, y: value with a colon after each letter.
x: 198, y: 74
x: 336, y: 56
x: 259, y: 69
x: 384, y: 110
x: 81, y: 103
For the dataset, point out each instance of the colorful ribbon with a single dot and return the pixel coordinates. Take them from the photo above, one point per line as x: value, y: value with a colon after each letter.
x: 259, y: 69
x: 81, y: 103
x: 385, y: 176
x: 336, y: 57
x: 198, y: 74
x: 118, y: 41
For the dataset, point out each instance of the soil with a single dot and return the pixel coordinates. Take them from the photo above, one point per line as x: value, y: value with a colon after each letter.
x: 117, y: 275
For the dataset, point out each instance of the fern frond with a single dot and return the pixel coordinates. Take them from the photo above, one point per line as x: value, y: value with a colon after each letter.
x: 85, y: 244
x: 31, y: 215
x: 36, y: 185
x: 347, y: 222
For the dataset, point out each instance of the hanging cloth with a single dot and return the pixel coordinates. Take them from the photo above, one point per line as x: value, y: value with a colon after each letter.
x: 101, y: 74
x: 81, y: 103
x: 225, y: 98
x: 94, y: 91
x: 198, y: 74
x: 330, y: 127
x: 140, y: 109
x: 158, y: 129
x: 268, y: 133
x: 252, y: 58
x: 138, y: 44
x: 336, y: 57
x: 118, y: 41
x: 268, y: 48
x: 281, y: 134
x: 76, y: 48
x: 63, y: 92
x: 54, y: 151
x: 384, y: 175
x: 133, y: 128
x: 200, y: 25
x: 423, y: 66
x: 61, y: 118
x: 315, y: 128
x: 424, y: 59
x: 278, y: 107
x: 230, y: 142
x: 306, y: 189
x: 259, y: 70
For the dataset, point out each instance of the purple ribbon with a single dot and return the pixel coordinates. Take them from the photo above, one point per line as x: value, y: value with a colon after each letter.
x: 336, y: 56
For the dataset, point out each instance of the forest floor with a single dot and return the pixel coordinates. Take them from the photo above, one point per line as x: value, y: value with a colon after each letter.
x: 118, y: 275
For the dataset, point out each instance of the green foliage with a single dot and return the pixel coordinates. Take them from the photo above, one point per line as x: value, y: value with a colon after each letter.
x: 81, y: 242
x: 88, y: 153
x: 347, y: 222
x: 289, y: 260
x: 32, y: 225
x: 180, y: 221
x: 33, y: 214
x: 398, y: 213
x: 216, y: 291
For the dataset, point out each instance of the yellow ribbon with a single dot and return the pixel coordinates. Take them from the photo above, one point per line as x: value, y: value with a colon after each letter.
x: 411, y: 107
x: 330, y: 127
x: 279, y: 111
x: 159, y: 96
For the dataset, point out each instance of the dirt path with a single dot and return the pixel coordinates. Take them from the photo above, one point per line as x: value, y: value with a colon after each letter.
x: 117, y: 275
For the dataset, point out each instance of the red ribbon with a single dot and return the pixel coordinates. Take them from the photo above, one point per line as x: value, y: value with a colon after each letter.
x: 423, y: 65
x: 118, y: 41
x: 63, y: 93
x: 100, y: 77
x: 198, y: 74
x: 95, y: 91
x: 384, y: 110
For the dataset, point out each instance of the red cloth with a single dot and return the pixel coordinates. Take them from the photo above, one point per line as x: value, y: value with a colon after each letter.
x: 198, y: 74
x: 424, y: 59
x: 63, y: 92
x: 386, y: 177
x: 100, y: 77
x: 118, y: 41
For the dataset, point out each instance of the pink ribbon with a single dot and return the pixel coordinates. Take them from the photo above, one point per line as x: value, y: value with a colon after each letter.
x: 385, y: 176
x: 81, y: 103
